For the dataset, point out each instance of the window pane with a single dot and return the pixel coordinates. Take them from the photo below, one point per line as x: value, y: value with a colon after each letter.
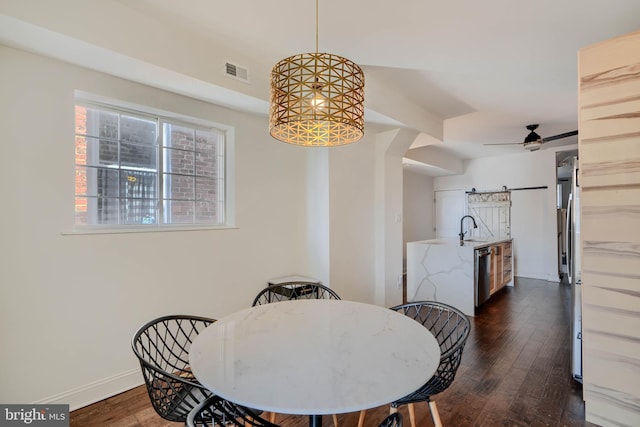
x: 103, y: 152
x: 87, y: 152
x: 178, y: 137
x: 96, y: 181
x: 178, y: 161
x: 208, y: 213
x: 141, y: 156
x: 81, y: 120
x: 206, y: 190
x: 106, y: 210
x: 178, y: 212
x: 96, y: 123
x: 138, y: 130
x: 207, y: 148
x: 178, y: 187
x: 96, y: 210
x: 138, y: 184
x: 81, y: 211
x: 81, y: 150
x: 138, y: 211
x: 81, y: 181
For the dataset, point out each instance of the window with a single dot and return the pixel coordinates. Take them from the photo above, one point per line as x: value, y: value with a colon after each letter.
x: 134, y: 170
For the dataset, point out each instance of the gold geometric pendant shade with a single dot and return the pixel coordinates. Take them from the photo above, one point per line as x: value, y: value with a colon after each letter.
x: 317, y: 99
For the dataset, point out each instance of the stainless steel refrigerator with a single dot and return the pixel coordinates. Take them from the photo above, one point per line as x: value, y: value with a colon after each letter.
x: 574, y: 270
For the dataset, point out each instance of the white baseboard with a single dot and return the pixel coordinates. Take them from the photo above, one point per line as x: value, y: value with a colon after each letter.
x: 547, y: 277
x: 94, y: 392
x: 554, y: 278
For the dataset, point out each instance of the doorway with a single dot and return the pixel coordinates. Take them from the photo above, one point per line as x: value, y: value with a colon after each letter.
x: 449, y: 207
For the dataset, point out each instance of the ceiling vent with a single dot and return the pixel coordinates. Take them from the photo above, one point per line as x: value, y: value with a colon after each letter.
x: 236, y: 71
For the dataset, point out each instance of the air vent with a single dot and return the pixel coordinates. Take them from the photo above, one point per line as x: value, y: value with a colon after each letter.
x: 236, y: 71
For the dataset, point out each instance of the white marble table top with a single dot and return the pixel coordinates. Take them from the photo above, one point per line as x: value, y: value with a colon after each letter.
x: 314, y: 357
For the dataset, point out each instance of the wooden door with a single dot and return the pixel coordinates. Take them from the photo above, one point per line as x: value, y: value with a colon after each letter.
x: 449, y: 208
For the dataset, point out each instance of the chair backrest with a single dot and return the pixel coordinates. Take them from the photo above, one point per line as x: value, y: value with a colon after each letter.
x: 215, y: 411
x: 162, y: 348
x: 293, y: 291
x: 451, y: 329
x: 393, y: 420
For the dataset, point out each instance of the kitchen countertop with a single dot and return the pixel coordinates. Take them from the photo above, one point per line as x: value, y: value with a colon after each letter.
x: 471, y: 243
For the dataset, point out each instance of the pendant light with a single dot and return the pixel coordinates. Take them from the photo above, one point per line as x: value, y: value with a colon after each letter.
x: 317, y: 99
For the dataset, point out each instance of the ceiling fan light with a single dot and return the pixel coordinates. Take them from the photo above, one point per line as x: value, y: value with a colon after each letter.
x: 533, y: 145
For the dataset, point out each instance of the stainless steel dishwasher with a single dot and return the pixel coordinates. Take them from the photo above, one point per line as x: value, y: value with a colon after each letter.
x: 483, y: 282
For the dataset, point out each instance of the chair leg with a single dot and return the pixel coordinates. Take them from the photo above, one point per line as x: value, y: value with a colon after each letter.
x: 435, y: 416
x: 272, y: 417
x: 412, y: 414
x: 335, y: 420
x: 363, y: 413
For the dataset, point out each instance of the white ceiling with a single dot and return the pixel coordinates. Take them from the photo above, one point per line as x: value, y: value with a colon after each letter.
x: 485, y: 68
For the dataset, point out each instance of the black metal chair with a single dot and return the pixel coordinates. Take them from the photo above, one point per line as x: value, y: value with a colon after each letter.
x: 162, y: 348
x: 451, y: 329
x: 216, y: 411
x: 393, y: 420
x: 288, y: 291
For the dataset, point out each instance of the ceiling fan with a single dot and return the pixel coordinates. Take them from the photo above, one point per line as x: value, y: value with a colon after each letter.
x: 534, y: 142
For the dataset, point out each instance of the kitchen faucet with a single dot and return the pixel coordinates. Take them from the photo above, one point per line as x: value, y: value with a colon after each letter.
x: 461, y: 232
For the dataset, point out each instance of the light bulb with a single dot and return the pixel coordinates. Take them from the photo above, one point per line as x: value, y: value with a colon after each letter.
x: 318, y: 101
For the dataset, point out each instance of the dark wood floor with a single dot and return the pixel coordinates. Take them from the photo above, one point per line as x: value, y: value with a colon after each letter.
x: 515, y: 371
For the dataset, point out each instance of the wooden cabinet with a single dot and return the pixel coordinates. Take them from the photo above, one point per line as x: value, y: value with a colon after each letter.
x: 495, y: 271
x: 507, y: 263
x: 501, y: 266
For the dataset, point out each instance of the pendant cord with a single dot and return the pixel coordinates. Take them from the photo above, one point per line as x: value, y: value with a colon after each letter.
x: 316, y: 26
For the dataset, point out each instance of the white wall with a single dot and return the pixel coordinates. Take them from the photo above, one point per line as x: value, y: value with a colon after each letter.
x: 351, y: 213
x: 533, y: 212
x: 390, y: 147
x: 318, y: 224
x: 69, y: 304
x: 417, y: 207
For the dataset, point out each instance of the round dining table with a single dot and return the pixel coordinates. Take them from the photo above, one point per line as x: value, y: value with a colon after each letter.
x: 314, y: 357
